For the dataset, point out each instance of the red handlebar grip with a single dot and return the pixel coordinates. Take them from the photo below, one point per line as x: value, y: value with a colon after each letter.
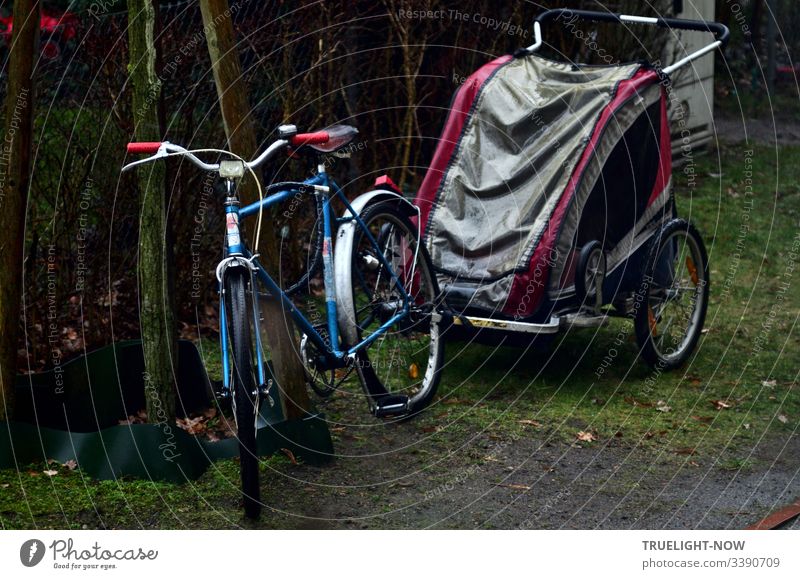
x: 143, y: 147
x: 318, y: 138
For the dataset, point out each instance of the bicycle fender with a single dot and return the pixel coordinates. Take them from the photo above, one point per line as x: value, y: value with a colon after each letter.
x: 343, y: 256
x: 378, y: 196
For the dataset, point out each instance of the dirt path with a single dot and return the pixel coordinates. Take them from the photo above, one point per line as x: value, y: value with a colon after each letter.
x: 758, y: 131
x: 403, y: 477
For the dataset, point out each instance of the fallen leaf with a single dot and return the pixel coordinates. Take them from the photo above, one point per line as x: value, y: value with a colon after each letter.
x: 70, y: 464
x: 516, y: 487
x: 290, y: 454
x: 139, y: 418
x: 534, y: 423
x: 587, y: 436
x: 401, y: 484
x: 703, y: 419
x: 196, y: 425
x: 50, y: 472
x: 686, y: 451
x: 449, y: 401
x: 782, y: 418
x: 720, y: 404
x: 632, y: 400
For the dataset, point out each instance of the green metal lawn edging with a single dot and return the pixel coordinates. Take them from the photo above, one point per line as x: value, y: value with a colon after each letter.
x: 73, y: 413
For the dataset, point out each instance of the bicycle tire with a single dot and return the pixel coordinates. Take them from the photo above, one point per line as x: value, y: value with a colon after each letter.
x: 243, y: 383
x: 427, y: 359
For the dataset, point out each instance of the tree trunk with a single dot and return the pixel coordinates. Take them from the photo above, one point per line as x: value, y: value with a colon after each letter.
x: 242, y: 141
x: 156, y: 315
x: 15, y: 171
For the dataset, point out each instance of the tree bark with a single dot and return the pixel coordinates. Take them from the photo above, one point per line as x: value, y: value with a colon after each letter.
x: 241, y: 136
x: 15, y: 171
x: 156, y: 315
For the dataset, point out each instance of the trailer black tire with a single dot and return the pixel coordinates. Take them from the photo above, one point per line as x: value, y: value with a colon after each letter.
x: 677, y: 244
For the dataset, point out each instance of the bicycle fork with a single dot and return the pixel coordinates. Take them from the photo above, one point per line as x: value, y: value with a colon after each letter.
x: 234, y: 257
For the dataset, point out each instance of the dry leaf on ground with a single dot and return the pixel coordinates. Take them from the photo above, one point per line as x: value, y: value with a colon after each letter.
x: 516, y: 487
x: 703, y: 419
x: 635, y: 402
x: 290, y: 455
x: 661, y: 406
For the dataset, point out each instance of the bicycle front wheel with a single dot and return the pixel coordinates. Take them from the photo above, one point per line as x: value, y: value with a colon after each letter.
x: 400, y: 369
x: 241, y: 328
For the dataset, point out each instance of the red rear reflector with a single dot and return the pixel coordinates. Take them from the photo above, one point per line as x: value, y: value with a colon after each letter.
x: 385, y: 182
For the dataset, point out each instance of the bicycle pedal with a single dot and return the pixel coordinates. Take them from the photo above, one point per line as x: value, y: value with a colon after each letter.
x: 391, y: 405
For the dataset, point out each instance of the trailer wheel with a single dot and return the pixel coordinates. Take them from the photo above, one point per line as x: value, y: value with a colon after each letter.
x: 672, y: 299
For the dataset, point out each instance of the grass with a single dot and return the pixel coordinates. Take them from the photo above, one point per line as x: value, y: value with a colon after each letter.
x: 32, y: 498
x: 784, y: 104
x: 740, y: 387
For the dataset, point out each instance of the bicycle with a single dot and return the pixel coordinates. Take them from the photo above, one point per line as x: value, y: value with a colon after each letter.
x: 379, y: 291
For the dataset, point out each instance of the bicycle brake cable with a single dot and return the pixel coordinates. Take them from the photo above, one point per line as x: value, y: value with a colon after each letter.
x: 252, y: 172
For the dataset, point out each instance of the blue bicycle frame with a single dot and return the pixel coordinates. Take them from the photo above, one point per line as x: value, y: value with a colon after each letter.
x: 236, y: 247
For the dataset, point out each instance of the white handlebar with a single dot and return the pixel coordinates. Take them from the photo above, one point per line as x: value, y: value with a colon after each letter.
x: 167, y: 149
x: 538, y: 41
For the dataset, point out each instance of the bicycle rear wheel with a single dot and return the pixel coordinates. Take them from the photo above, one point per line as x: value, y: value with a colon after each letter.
x: 239, y: 316
x: 400, y: 370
